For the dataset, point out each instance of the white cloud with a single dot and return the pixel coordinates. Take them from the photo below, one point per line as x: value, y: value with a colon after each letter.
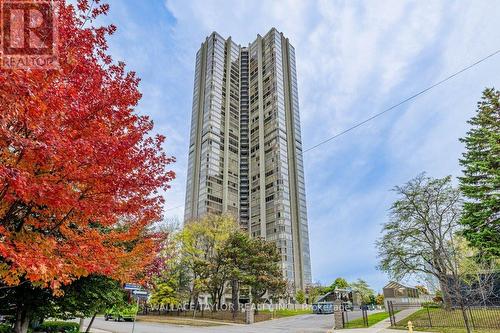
x: 354, y: 59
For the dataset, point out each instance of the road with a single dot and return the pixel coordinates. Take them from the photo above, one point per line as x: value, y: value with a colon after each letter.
x: 310, y: 323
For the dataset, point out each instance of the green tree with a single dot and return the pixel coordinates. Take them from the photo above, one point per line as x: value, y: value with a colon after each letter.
x: 236, y: 258
x: 480, y: 182
x: 169, y: 282
x: 265, y: 274
x: 341, y: 283
x: 85, y: 297
x: 202, y: 242
x: 363, y: 289
x: 314, y: 291
x: 300, y: 296
x: 165, y: 293
x: 338, y: 283
x: 379, y: 299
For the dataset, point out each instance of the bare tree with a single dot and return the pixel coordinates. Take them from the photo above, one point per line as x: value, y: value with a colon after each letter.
x: 417, y: 237
x: 421, y: 238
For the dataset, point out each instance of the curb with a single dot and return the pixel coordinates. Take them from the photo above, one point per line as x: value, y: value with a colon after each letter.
x: 96, y: 330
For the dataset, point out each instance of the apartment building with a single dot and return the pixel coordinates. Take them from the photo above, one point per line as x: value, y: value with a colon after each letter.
x: 245, y: 153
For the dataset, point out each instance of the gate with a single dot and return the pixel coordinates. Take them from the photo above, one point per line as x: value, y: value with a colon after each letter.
x: 394, y: 308
x: 345, y: 316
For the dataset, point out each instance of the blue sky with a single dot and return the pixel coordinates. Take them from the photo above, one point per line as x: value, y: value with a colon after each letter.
x: 354, y: 59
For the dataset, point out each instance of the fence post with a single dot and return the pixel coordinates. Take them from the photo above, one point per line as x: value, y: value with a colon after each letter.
x: 346, y: 317
x: 389, y: 309
x: 249, y: 314
x: 429, y: 316
x: 338, y: 315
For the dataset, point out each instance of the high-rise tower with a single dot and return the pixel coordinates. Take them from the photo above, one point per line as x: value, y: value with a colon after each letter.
x: 245, y: 152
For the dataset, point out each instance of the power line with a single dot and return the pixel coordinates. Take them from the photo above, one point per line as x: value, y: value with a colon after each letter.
x: 402, y: 102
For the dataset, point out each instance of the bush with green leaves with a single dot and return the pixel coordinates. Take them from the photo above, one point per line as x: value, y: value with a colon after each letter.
x: 4, y: 328
x: 432, y: 305
x: 58, y: 327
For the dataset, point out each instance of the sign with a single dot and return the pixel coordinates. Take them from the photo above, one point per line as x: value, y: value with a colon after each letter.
x: 132, y: 286
x: 140, y: 292
x: 323, y: 307
x: 28, y: 33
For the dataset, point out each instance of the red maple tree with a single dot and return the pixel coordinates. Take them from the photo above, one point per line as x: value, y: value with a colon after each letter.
x: 80, y: 173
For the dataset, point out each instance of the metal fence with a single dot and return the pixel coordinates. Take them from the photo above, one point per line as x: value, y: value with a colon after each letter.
x: 348, y: 317
x: 484, y: 317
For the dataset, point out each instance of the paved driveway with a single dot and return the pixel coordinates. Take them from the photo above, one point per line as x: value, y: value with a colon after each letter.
x: 310, y: 323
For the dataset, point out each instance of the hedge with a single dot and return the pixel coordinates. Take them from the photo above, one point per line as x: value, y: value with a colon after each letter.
x: 431, y: 305
x: 58, y: 326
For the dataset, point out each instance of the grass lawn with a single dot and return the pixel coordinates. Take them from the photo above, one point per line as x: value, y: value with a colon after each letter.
x: 452, y: 321
x: 450, y: 330
x: 372, y: 320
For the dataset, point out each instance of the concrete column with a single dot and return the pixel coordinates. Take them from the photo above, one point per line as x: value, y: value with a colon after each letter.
x: 249, y: 313
x: 199, y: 125
x: 292, y: 171
x: 337, y: 314
x: 262, y: 155
x: 225, y: 177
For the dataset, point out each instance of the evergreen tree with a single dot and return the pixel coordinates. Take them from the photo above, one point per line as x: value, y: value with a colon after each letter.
x: 300, y: 296
x: 480, y: 183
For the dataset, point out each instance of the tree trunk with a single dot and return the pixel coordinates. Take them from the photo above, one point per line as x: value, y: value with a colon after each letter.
x: 466, y: 318
x: 481, y: 289
x: 219, y: 299
x: 214, y: 297
x: 443, y: 282
x: 196, y: 302
x: 91, y: 322
x: 234, y: 297
x: 80, y: 328
x: 22, y: 320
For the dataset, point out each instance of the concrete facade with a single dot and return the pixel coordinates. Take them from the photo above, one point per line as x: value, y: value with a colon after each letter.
x: 245, y: 153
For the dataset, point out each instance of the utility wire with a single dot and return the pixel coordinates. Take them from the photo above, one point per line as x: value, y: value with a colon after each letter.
x: 402, y: 102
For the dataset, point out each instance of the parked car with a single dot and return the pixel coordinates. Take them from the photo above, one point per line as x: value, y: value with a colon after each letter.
x: 369, y: 307
x: 118, y: 313
x: 347, y: 306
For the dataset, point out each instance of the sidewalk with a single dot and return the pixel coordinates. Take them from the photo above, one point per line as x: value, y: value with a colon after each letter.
x: 384, y: 325
x: 96, y: 330
x: 372, y: 330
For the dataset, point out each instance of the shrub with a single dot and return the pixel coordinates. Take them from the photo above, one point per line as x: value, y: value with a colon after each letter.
x: 431, y: 305
x: 58, y: 326
x: 4, y: 328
